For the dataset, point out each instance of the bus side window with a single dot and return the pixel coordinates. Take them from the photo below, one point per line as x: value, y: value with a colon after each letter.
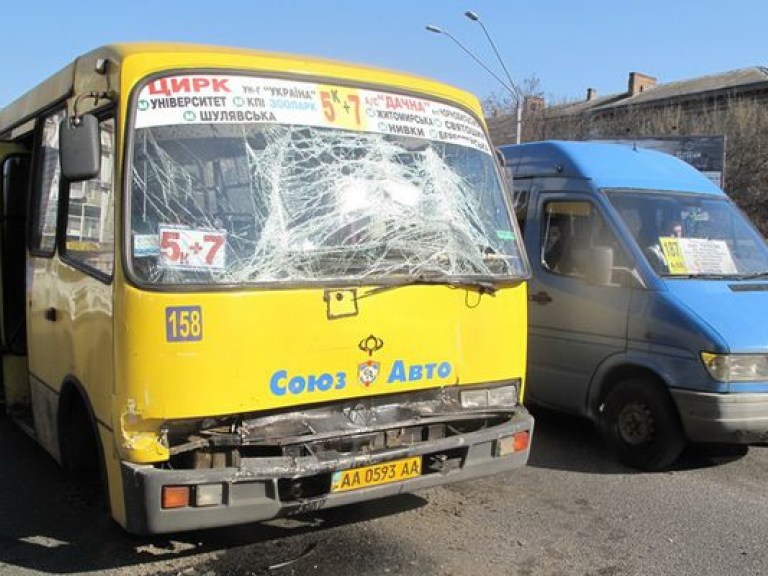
x: 45, y: 197
x: 90, y: 212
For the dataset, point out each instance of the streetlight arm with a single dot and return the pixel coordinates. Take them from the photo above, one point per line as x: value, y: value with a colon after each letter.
x: 512, y: 87
x: 500, y: 59
x: 438, y: 30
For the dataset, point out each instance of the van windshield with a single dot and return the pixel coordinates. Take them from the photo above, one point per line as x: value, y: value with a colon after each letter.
x: 402, y: 189
x: 692, y: 235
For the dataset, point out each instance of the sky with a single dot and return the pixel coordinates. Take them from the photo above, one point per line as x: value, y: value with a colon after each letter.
x: 567, y: 45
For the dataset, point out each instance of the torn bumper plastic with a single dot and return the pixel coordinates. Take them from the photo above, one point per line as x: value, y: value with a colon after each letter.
x: 267, y: 487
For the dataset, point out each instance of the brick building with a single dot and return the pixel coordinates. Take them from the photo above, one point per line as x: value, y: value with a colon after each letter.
x: 601, y: 116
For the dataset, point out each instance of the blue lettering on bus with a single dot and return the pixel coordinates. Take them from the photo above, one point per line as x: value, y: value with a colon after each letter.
x: 401, y: 372
x: 281, y: 384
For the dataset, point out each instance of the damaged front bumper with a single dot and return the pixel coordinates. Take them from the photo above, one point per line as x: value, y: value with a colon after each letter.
x: 233, y: 472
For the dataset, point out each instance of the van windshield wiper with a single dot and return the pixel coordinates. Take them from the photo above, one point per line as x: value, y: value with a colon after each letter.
x: 752, y: 276
x: 702, y: 276
x: 482, y: 285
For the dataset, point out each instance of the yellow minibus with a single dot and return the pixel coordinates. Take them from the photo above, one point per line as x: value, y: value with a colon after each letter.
x: 238, y: 285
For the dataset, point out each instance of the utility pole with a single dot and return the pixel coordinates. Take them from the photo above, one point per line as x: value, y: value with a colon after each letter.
x: 514, y: 89
x: 509, y: 85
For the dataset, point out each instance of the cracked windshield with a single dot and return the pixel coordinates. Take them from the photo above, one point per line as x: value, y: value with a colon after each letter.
x: 297, y: 182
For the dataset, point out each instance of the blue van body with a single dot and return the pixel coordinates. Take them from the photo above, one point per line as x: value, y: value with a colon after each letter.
x: 658, y: 349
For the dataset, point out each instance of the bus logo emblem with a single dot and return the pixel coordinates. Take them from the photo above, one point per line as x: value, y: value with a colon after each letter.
x: 367, y: 372
x: 371, y: 344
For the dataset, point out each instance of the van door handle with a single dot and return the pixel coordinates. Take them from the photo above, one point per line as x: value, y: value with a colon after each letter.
x: 540, y: 298
x: 50, y: 314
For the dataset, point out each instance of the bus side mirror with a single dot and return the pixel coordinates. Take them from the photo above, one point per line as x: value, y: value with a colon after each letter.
x: 80, y: 146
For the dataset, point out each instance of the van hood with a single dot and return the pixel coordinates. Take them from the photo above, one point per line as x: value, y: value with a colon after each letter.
x: 736, y: 310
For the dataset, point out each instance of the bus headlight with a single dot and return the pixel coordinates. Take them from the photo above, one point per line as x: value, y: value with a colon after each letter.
x: 497, y: 397
x: 736, y: 367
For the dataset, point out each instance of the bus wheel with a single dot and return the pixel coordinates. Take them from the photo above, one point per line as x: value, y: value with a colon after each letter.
x: 641, y: 426
x: 80, y: 451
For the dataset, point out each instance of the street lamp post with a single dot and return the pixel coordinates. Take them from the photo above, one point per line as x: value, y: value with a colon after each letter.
x: 518, y: 95
x: 510, y: 86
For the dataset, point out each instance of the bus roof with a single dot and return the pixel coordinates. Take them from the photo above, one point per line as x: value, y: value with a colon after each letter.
x: 606, y: 165
x: 130, y: 62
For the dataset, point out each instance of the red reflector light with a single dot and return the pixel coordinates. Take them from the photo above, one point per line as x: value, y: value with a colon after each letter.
x: 521, y: 441
x: 175, y: 496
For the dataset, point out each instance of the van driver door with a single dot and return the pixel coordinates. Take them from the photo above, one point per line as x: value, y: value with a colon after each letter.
x: 579, y: 298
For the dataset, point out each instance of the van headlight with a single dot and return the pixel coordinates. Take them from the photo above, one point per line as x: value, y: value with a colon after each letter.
x: 505, y: 396
x: 736, y: 367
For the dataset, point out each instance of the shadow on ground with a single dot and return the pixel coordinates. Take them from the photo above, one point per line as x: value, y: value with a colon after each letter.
x: 564, y: 442
x: 49, y: 527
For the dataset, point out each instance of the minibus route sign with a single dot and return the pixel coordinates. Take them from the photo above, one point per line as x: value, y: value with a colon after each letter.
x: 192, y: 249
x: 697, y: 256
x: 230, y: 99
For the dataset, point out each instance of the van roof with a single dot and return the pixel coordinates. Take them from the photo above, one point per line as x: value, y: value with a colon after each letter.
x: 606, y: 165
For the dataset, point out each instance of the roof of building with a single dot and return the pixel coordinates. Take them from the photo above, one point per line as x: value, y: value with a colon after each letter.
x: 743, y: 79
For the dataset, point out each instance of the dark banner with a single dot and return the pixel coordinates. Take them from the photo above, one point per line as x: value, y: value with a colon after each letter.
x: 705, y: 153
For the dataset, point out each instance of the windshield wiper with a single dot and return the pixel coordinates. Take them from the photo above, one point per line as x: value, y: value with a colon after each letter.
x: 702, y: 276
x: 752, y: 276
x: 483, y: 286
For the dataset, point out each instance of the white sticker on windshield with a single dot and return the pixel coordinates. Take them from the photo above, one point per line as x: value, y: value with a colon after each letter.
x: 191, y: 249
x: 216, y: 99
x: 697, y: 256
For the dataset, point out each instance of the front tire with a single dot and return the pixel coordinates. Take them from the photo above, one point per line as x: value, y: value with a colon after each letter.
x: 641, y: 426
x: 81, y: 455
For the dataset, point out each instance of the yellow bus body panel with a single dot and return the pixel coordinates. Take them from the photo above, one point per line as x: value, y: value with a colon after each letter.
x: 248, y: 337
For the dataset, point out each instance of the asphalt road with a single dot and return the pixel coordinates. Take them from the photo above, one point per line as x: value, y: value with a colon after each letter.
x: 571, y: 511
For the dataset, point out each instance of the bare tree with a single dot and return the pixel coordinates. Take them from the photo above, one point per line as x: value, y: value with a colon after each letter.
x: 504, y: 102
x: 743, y: 122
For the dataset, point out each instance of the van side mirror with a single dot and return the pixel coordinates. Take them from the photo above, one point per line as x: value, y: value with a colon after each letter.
x: 599, y: 266
x: 500, y: 158
x: 80, y: 145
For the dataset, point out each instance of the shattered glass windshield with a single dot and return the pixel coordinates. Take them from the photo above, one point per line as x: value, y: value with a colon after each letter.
x: 240, y: 179
x: 692, y: 235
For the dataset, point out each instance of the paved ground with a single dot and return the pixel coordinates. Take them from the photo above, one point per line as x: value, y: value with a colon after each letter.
x: 571, y: 511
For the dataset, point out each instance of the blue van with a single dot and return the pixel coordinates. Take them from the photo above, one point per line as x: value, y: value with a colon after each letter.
x: 648, y: 305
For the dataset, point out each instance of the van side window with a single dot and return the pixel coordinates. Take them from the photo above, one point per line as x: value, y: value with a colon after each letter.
x: 573, y: 232
x: 45, y: 198
x: 90, y: 212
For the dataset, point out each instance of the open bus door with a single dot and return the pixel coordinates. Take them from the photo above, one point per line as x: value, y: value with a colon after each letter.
x: 14, y: 191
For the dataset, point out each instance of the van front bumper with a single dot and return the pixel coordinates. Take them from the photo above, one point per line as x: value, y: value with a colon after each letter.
x: 264, y: 488
x: 727, y: 418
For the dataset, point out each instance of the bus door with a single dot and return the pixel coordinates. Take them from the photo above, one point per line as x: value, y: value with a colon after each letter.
x: 14, y: 160
x: 69, y: 292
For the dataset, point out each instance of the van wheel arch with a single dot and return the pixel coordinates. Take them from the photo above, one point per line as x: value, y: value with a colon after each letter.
x: 615, y: 376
